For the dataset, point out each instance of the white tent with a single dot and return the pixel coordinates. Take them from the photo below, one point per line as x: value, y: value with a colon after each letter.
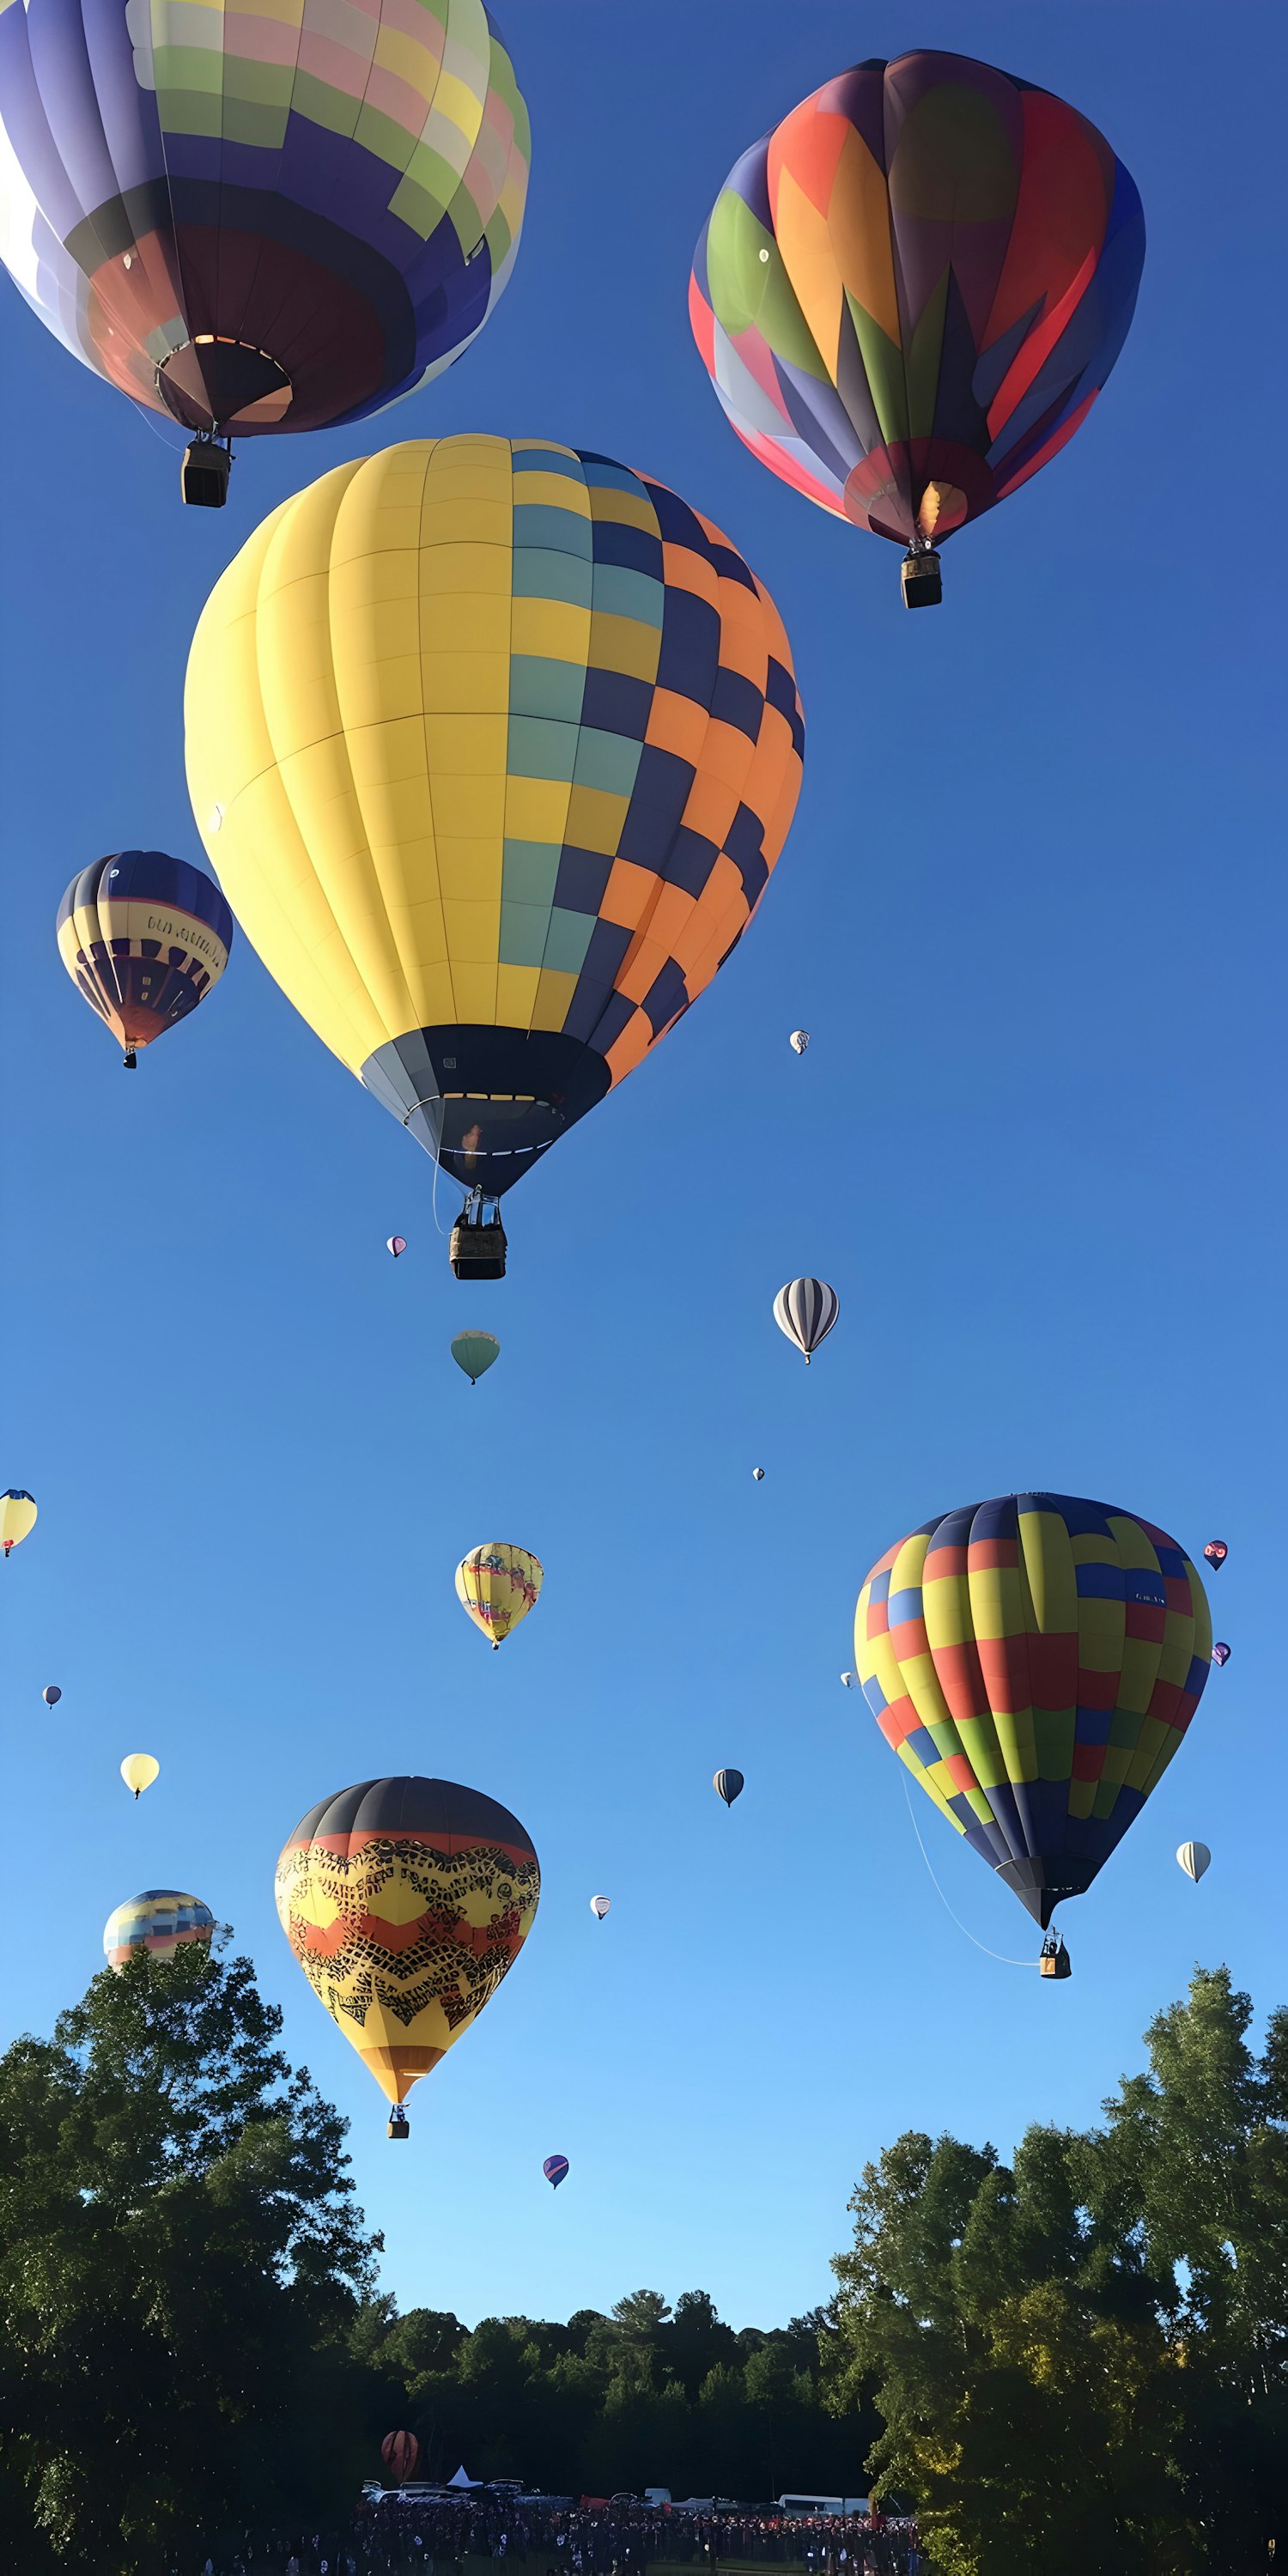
x: 461, y: 2480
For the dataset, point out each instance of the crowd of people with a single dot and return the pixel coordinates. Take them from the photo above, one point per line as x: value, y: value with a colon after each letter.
x: 394, y: 2534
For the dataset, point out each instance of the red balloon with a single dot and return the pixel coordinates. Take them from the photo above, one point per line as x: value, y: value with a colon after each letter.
x: 400, y: 2452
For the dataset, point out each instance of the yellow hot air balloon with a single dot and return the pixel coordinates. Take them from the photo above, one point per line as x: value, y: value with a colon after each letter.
x: 138, y: 1771
x: 405, y: 1902
x: 496, y: 1585
x: 493, y: 745
x: 17, y: 1517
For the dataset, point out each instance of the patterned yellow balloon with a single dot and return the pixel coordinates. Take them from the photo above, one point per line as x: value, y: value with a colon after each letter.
x: 496, y: 1585
x: 406, y: 1902
x: 17, y: 1517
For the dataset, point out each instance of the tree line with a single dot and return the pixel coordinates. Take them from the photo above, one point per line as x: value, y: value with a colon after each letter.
x: 1075, y: 2363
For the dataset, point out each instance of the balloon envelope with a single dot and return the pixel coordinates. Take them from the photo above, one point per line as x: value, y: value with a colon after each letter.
x: 139, y: 1770
x: 599, y: 1906
x: 497, y: 1585
x: 406, y: 1901
x: 493, y: 744
x: 475, y: 1352
x: 1035, y: 1661
x: 260, y: 231
x: 51, y: 1694
x: 554, y: 2168
x: 1194, y: 1858
x: 144, y: 938
x: 798, y: 1041
x: 1220, y: 1652
x: 806, y: 1310
x: 396, y: 1243
x: 910, y: 292
x: 17, y: 1517
x: 728, y: 1785
x: 1216, y: 1552
x: 160, y: 1921
x: 758, y: 1475
x: 400, y: 2452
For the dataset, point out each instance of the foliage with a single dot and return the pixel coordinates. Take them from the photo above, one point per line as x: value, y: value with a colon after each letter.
x: 181, y: 2265
x: 1082, y: 2358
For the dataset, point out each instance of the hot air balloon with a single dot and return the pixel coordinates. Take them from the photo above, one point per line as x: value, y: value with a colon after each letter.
x: 160, y: 1921
x: 400, y: 2452
x: 475, y: 1352
x: 144, y: 937
x: 910, y: 292
x: 728, y: 1785
x: 806, y: 1310
x: 758, y: 1475
x: 599, y: 1906
x: 1035, y: 1661
x: 17, y: 1518
x: 139, y: 1770
x: 847, y: 1681
x: 260, y: 224
x: 1194, y: 1858
x: 1216, y: 1553
x: 1220, y: 1652
x: 554, y: 2168
x: 493, y: 744
x: 497, y: 1585
x: 396, y: 1244
x: 798, y: 1041
x: 51, y: 1694
x: 405, y: 1902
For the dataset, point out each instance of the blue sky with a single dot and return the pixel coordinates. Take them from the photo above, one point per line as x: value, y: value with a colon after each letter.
x: 1032, y: 911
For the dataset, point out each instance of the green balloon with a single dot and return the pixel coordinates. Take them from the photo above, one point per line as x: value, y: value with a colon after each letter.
x: 475, y: 1352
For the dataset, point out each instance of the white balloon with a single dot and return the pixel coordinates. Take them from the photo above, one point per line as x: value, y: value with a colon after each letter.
x: 1194, y: 1858
x: 806, y: 1309
x: 599, y: 1906
x: 759, y: 1475
x: 798, y: 1041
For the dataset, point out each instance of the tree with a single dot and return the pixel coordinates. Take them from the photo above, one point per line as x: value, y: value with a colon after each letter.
x: 1082, y: 2359
x: 181, y: 2263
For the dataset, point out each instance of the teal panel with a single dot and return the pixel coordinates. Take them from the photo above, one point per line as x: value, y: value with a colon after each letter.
x: 539, y: 460
x: 623, y: 593
x: 529, y: 872
x: 543, y: 523
x: 540, y: 573
x: 567, y: 940
x: 523, y: 934
x: 541, y: 687
x: 606, y: 760
x: 540, y: 749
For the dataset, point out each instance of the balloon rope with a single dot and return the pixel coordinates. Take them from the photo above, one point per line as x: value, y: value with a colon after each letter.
x: 962, y: 1927
x: 433, y: 1197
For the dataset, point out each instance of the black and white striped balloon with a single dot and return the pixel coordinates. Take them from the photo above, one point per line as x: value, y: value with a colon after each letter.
x: 806, y: 1310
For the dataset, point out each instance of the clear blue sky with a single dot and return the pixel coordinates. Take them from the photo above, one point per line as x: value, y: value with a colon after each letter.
x: 1032, y: 911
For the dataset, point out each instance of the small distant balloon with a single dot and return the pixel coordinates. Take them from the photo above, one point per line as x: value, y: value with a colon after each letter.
x: 51, y: 1694
x: 396, y: 1243
x: 475, y: 1353
x: 599, y: 1906
x: 1216, y: 1552
x: 497, y: 1585
x: 17, y: 1517
x: 798, y: 1041
x: 554, y: 2168
x: 139, y: 1770
x: 806, y: 1310
x: 847, y: 1681
x: 400, y: 2452
x: 1220, y: 1652
x: 758, y: 1475
x: 1194, y: 1858
x: 160, y: 1921
x: 728, y: 1785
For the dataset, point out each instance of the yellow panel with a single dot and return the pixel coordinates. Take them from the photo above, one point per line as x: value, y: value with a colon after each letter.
x: 466, y: 746
x: 378, y: 693
x: 624, y: 644
x: 623, y: 509
x: 595, y: 819
x: 473, y: 936
x: 1049, y: 1568
x: 554, y: 629
x: 470, y: 871
x: 536, y: 809
x: 483, y: 520
x: 475, y: 991
x: 555, y: 491
x: 810, y: 260
x: 554, y: 998
x: 469, y: 807
x: 859, y: 222
x: 450, y: 570
x: 466, y: 624
x: 516, y: 993
x: 461, y: 683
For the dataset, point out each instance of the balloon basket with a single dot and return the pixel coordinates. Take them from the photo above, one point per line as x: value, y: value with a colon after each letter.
x: 399, y: 2124
x: 204, y: 474
x: 477, y: 1248
x: 1055, y: 1960
x: 922, y: 586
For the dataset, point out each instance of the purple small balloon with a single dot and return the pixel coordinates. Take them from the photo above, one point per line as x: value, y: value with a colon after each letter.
x: 1220, y: 1652
x: 554, y: 2169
